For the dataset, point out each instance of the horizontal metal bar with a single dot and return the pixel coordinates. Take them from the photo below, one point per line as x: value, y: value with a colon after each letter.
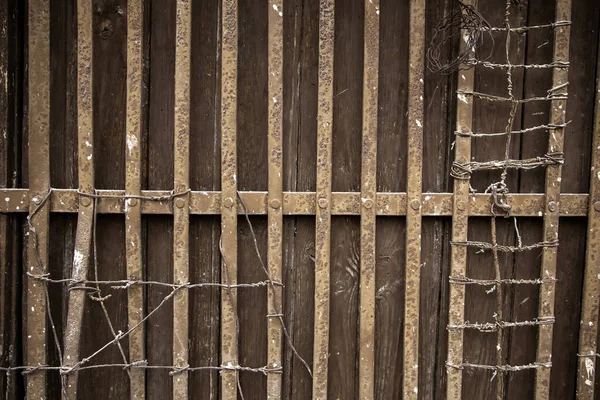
x: 299, y: 203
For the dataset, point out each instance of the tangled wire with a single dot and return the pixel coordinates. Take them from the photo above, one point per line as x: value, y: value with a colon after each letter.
x: 473, y: 26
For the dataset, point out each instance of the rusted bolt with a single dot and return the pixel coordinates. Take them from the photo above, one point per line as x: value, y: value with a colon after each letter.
x: 275, y: 204
x: 461, y: 205
x: 85, y: 201
x: 132, y: 202
x: 322, y: 203
x: 552, y: 206
x: 597, y: 206
x: 180, y: 202
x: 228, y: 202
x: 36, y: 200
x: 415, y: 204
x: 368, y: 203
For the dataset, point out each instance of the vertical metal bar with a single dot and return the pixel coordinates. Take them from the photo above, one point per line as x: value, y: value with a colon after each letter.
x: 39, y: 181
x: 460, y: 223
x: 560, y: 77
x: 83, y: 237
x: 366, y: 364
x: 323, y: 195
x: 181, y: 213
x: 414, y: 188
x: 275, y: 216
x: 229, y: 60
x: 588, y: 330
x: 133, y: 207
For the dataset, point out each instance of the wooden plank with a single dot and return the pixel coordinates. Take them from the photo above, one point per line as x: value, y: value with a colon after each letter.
x: 551, y: 216
x: 366, y: 334
x: 323, y: 194
x: 460, y: 220
x: 181, y: 213
x: 229, y: 337
x: 275, y: 217
x: 85, y: 142
x: 413, y: 189
x: 133, y: 214
x: 39, y: 182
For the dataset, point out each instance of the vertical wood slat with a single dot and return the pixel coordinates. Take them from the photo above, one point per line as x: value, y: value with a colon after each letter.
x: 39, y: 179
x: 83, y: 237
x: 323, y: 195
x: 275, y: 195
x: 181, y: 213
x: 133, y: 215
x: 460, y: 223
x: 366, y: 365
x: 588, y: 330
x: 416, y: 92
x: 229, y: 59
x: 560, y: 77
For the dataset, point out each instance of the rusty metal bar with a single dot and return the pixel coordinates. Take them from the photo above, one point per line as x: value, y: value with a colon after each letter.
x: 588, y: 329
x: 181, y: 211
x: 275, y: 196
x: 366, y: 364
x: 560, y: 77
x: 323, y: 196
x: 460, y: 223
x: 83, y: 237
x: 133, y: 209
x: 414, y: 188
x: 229, y: 207
x: 39, y: 179
x: 300, y: 203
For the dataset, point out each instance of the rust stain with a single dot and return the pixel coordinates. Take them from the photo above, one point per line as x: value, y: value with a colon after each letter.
x: 414, y: 186
x: 560, y: 77
x: 275, y: 195
x: 323, y: 196
x: 366, y: 363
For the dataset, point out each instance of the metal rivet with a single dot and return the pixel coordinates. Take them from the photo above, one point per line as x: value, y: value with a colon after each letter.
x: 415, y: 204
x: 552, y: 206
x: 85, y: 201
x: 323, y: 203
x: 132, y: 202
x: 275, y: 203
x: 597, y: 206
x: 180, y: 202
x: 36, y: 200
x: 461, y: 205
x: 368, y: 203
x: 228, y: 202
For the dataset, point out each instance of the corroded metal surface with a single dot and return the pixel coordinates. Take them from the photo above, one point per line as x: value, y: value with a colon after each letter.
x: 558, y: 110
x: 460, y: 222
x: 366, y: 363
x: 298, y: 203
x: 413, y: 212
x: 39, y: 178
x: 181, y: 214
x: 323, y: 197
x: 83, y: 238
x: 229, y: 48
x: 588, y: 329
x: 132, y: 209
x: 275, y: 216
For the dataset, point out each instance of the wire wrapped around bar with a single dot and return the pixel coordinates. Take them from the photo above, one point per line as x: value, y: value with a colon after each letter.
x: 506, y: 249
x: 464, y: 171
x: 494, y: 326
x: 503, y: 368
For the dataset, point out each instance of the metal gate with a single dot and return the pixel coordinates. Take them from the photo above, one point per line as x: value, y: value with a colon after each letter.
x: 83, y: 287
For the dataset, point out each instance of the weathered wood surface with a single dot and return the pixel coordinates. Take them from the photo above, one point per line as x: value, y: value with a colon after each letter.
x: 299, y: 174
